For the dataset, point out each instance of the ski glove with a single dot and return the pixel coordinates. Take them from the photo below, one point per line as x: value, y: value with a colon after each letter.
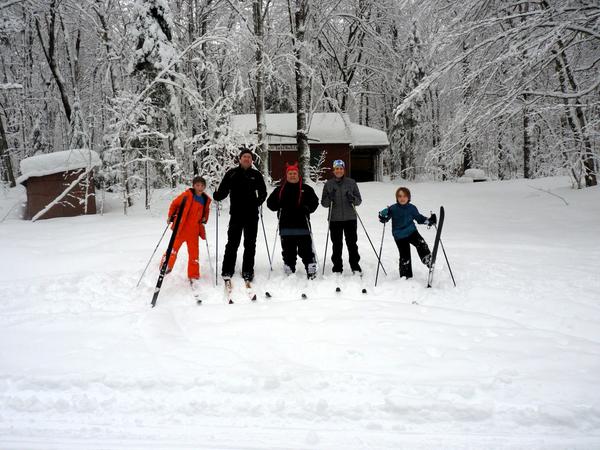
x: 171, y: 219
x: 432, y: 220
x: 202, y: 232
x: 384, y: 215
x: 350, y: 197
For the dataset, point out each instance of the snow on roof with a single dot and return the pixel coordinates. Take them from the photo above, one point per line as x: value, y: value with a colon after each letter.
x: 326, y: 128
x: 49, y: 163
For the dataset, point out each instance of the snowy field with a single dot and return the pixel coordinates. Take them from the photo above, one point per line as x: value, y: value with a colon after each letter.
x: 508, y: 359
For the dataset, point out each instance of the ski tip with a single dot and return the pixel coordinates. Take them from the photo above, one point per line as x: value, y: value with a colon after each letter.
x: 253, y: 298
x: 268, y: 294
x: 231, y: 302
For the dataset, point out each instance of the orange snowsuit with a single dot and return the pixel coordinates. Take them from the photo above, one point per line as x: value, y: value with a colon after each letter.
x: 193, y: 218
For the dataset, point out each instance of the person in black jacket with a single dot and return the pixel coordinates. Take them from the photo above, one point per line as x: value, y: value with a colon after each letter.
x: 294, y: 202
x: 247, y: 190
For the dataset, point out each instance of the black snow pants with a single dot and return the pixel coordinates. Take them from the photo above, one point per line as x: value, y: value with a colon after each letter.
x: 248, y: 226
x: 404, y: 249
x: 347, y: 229
x: 299, y: 245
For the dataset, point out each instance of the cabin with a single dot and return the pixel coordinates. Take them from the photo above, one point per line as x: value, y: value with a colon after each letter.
x: 330, y: 135
x: 65, y: 178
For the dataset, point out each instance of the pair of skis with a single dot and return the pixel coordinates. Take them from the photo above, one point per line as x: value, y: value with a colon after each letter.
x: 229, y: 291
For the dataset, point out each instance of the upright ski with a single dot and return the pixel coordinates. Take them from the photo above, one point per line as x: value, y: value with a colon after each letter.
x: 436, y: 244
x: 165, y: 264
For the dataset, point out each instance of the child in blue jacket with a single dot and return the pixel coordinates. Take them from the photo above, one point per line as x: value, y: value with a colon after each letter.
x: 403, y: 215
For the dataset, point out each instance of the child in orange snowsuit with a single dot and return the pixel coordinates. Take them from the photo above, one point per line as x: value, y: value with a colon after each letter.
x: 194, y: 216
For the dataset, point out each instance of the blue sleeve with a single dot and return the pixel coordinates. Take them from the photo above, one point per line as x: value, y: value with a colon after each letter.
x: 386, y: 213
x: 420, y: 218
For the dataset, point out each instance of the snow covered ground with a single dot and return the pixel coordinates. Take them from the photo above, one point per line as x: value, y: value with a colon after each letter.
x: 508, y: 359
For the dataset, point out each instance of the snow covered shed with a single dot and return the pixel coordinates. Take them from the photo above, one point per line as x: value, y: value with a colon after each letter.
x: 60, y: 184
x: 333, y: 133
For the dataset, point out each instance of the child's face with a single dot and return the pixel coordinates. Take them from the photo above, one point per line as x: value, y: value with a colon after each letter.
x: 199, y: 188
x: 402, y: 198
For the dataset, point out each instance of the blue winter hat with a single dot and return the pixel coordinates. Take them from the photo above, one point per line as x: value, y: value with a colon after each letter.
x: 339, y: 163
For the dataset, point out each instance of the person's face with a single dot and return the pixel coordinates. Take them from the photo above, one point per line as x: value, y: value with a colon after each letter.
x: 246, y: 160
x: 402, y: 198
x: 293, y: 176
x: 338, y: 171
x: 199, y: 188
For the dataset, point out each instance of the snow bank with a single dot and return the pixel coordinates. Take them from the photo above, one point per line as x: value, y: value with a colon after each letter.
x: 508, y: 359
x: 49, y: 163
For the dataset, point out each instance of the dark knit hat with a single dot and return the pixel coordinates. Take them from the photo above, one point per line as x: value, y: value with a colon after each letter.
x: 244, y: 150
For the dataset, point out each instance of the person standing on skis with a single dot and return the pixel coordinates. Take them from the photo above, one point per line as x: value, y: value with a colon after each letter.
x: 193, y: 218
x: 341, y: 195
x: 247, y: 190
x: 403, y: 215
x: 294, y: 202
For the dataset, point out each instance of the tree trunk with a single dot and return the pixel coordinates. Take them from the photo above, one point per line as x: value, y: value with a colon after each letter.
x: 259, y: 101
x: 575, y: 113
x: 49, y: 53
x: 526, y: 139
x: 5, y: 156
x: 300, y: 13
x: 467, y: 162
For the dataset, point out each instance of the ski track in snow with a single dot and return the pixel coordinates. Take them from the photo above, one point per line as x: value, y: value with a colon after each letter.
x: 508, y: 359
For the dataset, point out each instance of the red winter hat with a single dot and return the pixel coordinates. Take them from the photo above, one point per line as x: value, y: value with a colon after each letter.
x: 289, y: 167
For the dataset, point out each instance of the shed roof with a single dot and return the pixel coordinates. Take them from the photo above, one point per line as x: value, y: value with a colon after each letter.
x: 56, y: 162
x: 325, y: 128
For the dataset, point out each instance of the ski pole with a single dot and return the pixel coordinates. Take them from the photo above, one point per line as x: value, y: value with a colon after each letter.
x: 217, y: 246
x: 209, y: 258
x: 380, y: 253
x: 327, y: 238
x: 274, y: 245
x: 369, y: 238
x: 447, y: 262
x: 156, y: 248
x: 265, y: 235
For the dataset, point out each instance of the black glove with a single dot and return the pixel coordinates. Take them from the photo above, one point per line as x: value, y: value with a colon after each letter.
x: 331, y: 196
x: 171, y: 219
x: 432, y: 220
x: 350, y: 197
x: 382, y: 218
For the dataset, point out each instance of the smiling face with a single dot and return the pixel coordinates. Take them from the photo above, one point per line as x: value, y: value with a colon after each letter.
x: 199, y: 188
x: 339, y: 171
x: 246, y: 160
x: 292, y: 176
x: 403, y: 196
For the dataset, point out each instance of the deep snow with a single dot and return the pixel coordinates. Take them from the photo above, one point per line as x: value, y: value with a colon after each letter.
x: 508, y: 359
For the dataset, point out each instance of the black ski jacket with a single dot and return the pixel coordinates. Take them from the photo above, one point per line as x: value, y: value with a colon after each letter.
x: 294, y: 202
x: 247, y: 189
